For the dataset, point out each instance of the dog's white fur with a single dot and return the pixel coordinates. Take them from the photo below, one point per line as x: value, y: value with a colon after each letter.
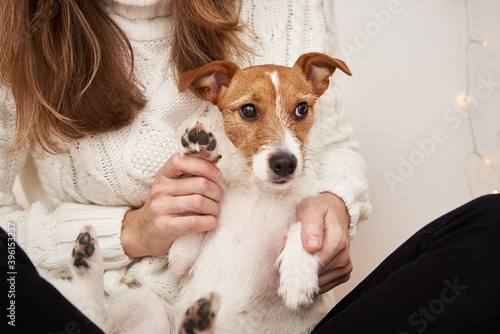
x: 263, y: 287
x: 238, y: 260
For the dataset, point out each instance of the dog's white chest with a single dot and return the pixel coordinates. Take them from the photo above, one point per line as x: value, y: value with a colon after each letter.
x: 245, y: 244
x: 237, y: 260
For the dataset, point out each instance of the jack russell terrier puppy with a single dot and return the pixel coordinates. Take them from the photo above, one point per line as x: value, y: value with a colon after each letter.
x: 238, y: 277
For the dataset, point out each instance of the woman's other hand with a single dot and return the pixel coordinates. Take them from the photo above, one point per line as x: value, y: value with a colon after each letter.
x: 325, y: 224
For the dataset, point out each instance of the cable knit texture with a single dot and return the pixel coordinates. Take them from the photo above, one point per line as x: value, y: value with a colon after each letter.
x: 103, y: 176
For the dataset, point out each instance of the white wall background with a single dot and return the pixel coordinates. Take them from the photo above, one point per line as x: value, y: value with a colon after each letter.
x: 408, y: 64
x: 409, y: 68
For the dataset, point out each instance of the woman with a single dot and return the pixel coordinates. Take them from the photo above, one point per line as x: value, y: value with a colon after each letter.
x: 96, y: 144
x: 89, y: 111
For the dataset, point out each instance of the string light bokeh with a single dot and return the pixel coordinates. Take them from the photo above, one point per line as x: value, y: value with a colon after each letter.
x: 464, y: 100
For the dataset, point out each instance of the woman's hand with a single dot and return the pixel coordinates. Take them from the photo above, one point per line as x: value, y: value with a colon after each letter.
x: 168, y: 211
x: 325, y: 223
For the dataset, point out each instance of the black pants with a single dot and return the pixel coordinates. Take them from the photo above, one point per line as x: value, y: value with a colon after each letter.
x: 29, y: 304
x: 444, y: 279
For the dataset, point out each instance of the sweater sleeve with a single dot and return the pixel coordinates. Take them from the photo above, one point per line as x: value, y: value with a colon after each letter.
x: 342, y: 170
x: 47, y: 233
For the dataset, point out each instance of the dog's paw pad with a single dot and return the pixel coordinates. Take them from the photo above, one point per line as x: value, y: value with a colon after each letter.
x: 84, y: 247
x: 200, y: 317
x: 197, y: 141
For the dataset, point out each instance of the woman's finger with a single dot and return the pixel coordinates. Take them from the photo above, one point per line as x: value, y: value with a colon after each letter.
x: 179, y: 165
x: 326, y: 283
x: 312, y: 216
x: 192, y: 185
x: 188, y: 224
x: 181, y: 205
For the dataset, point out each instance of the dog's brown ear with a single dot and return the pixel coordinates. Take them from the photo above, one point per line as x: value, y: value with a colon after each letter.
x: 209, y: 79
x: 318, y: 67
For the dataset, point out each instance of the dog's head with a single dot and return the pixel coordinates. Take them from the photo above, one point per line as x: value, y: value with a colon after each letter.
x: 267, y: 109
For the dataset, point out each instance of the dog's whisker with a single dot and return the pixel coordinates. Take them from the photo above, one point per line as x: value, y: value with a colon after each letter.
x: 311, y: 151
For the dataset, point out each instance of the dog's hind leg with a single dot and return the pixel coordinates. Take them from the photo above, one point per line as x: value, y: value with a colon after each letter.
x: 140, y: 310
x: 88, y: 270
x: 298, y: 271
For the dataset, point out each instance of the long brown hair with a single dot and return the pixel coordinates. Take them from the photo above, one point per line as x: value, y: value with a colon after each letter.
x: 70, y: 67
x: 205, y: 31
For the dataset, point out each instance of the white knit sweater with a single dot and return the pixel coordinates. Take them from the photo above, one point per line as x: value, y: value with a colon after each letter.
x: 103, y: 176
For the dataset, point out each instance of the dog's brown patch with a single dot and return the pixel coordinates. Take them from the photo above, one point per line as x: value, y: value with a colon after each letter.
x: 275, y: 91
x: 275, y: 102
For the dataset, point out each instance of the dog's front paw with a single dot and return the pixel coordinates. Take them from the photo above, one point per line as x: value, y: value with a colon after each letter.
x: 298, y: 272
x: 197, y: 141
x: 200, y: 317
x: 298, y: 285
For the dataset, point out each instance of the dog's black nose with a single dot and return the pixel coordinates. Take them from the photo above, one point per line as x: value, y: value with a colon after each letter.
x: 283, y: 164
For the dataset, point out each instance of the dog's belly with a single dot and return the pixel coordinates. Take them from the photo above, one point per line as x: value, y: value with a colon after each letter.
x: 237, y: 261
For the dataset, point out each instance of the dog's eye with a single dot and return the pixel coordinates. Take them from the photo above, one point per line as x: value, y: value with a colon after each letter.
x: 249, y: 112
x: 301, y: 110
